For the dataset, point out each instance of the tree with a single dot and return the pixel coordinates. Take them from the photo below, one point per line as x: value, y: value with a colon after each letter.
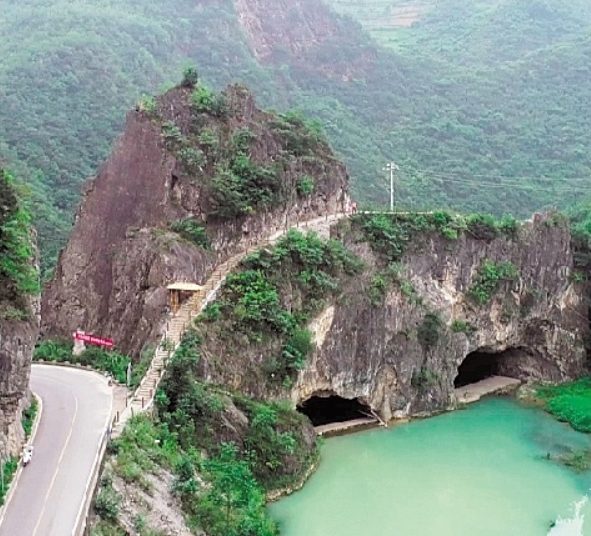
x: 190, y: 77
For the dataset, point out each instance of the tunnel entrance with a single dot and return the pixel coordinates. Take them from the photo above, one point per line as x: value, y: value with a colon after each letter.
x: 478, y: 366
x: 330, y: 408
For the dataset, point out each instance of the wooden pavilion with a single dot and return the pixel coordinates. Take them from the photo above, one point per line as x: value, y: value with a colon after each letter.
x: 179, y: 292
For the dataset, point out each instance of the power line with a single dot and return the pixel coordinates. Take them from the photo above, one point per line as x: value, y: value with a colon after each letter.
x: 576, y: 189
x: 501, y: 177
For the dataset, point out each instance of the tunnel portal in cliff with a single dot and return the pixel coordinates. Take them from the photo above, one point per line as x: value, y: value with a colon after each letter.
x: 484, y: 363
x: 330, y: 408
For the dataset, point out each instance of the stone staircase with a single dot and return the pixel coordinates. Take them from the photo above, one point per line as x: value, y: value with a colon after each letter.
x: 143, y: 398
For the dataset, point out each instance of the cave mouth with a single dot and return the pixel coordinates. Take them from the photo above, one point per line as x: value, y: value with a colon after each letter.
x: 478, y: 366
x: 330, y: 408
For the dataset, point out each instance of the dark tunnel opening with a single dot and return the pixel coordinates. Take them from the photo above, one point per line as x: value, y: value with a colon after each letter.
x: 332, y: 408
x: 478, y: 366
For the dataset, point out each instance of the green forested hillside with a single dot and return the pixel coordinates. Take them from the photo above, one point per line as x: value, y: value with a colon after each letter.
x: 18, y: 275
x: 483, y: 105
x: 481, y: 32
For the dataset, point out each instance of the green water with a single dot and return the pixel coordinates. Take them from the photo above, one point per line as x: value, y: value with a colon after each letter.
x: 477, y: 472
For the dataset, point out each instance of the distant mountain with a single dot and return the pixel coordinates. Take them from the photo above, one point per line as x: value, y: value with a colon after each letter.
x: 483, y: 105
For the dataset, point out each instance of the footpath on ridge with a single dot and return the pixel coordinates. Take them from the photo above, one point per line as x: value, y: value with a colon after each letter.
x: 143, y: 397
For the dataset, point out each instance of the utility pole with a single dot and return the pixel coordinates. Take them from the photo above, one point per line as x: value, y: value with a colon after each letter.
x: 392, y: 168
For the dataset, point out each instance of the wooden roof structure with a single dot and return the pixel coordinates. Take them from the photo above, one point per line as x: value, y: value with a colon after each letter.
x: 185, y: 287
x: 175, y: 290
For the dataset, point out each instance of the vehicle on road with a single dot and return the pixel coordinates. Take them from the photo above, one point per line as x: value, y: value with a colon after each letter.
x: 27, y: 454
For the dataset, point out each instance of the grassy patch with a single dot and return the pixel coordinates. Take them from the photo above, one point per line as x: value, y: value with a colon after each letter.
x: 461, y: 326
x: 192, y: 231
x: 8, y: 470
x: 105, y: 528
x: 143, y: 448
x: 252, y: 305
x: 424, y: 378
x: 429, y: 332
x: 106, y: 360
x: 221, y: 492
x: 489, y: 278
x: 28, y: 418
x: 199, y: 415
x: 569, y: 402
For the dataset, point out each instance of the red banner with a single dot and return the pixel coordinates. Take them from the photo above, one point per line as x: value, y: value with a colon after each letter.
x: 92, y: 339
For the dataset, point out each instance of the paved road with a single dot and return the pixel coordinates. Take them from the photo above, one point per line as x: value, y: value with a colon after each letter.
x: 50, y: 491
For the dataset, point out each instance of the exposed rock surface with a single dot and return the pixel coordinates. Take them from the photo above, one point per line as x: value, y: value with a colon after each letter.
x: 111, y: 278
x: 309, y: 34
x: 399, y: 351
x: 157, y: 506
x: 17, y: 341
x: 294, y: 26
x: 536, y: 325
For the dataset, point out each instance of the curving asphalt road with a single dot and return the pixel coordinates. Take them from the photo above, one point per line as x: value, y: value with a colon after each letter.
x: 51, y: 491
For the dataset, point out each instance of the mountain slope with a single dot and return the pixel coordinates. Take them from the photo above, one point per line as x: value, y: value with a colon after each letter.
x: 470, y: 128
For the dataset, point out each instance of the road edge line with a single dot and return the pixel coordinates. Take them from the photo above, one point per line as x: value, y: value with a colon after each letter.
x: 14, y: 482
x: 80, y: 526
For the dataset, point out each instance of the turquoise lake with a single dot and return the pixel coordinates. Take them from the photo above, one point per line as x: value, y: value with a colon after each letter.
x: 481, y: 471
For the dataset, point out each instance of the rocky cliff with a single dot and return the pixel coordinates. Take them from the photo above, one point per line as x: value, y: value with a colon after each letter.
x: 17, y: 341
x: 308, y: 35
x: 195, y: 177
x: 19, y: 313
x: 293, y: 27
x: 435, y: 292
x: 403, y: 356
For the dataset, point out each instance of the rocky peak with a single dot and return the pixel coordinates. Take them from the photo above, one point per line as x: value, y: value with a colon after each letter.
x: 195, y: 177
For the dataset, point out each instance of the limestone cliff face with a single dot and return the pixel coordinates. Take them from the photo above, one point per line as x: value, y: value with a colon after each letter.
x: 395, y: 335
x: 535, y: 326
x: 111, y: 278
x: 17, y: 341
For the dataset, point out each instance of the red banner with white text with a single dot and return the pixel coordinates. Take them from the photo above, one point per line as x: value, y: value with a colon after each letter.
x: 93, y: 339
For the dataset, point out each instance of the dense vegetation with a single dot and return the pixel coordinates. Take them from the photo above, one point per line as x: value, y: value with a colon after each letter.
x: 224, y: 449
x: 580, y: 217
x: 18, y: 274
x: 389, y: 235
x: 489, y: 277
x: 108, y: 361
x: 216, y: 153
x: 270, y: 301
x: 8, y: 469
x: 570, y: 402
x: 29, y: 416
x: 484, y: 105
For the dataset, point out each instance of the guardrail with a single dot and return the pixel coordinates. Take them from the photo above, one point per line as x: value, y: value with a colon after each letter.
x: 81, y: 522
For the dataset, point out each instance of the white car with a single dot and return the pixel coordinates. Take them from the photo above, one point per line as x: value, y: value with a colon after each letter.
x: 27, y: 454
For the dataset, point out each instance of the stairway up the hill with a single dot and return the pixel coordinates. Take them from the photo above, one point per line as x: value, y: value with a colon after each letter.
x: 143, y: 397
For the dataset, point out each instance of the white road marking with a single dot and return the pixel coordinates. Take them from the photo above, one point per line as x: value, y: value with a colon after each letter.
x: 57, y: 467
x: 97, y: 460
